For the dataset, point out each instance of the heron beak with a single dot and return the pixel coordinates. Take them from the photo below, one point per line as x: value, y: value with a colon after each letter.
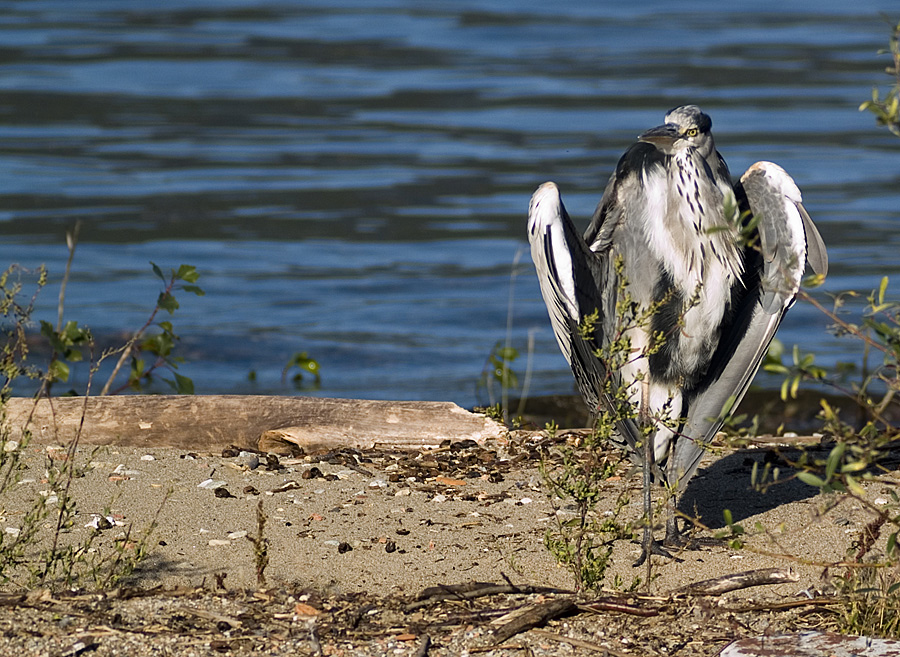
x: 662, y: 136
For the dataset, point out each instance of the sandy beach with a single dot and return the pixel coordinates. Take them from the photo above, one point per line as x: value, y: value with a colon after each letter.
x: 377, y: 528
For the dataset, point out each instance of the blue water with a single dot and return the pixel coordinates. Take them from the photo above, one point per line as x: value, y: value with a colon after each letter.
x: 351, y: 178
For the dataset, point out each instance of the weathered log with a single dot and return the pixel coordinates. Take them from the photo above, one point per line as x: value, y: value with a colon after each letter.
x: 210, y: 423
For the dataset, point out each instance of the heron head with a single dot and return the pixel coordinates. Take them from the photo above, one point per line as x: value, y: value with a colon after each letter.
x: 685, y: 127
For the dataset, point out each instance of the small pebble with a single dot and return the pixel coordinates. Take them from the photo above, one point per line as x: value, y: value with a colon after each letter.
x: 148, y: 457
x: 211, y: 483
x: 236, y: 535
x: 216, y: 542
x: 311, y: 473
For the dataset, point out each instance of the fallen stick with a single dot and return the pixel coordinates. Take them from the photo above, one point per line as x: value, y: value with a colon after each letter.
x: 579, y: 643
x: 534, y: 616
x: 617, y: 607
x: 471, y: 591
x: 735, y: 581
x: 268, y: 423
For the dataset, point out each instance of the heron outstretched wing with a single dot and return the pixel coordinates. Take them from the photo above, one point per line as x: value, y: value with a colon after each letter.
x: 772, y: 272
x: 571, y: 277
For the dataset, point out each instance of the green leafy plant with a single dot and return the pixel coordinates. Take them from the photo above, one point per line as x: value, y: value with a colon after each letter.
x: 302, y: 362
x: 15, y: 319
x: 39, y: 550
x: 148, y: 352
x: 499, y: 369
x: 874, y: 392
x: 499, y: 372
x: 583, y: 543
x: 801, y: 368
x: 886, y: 109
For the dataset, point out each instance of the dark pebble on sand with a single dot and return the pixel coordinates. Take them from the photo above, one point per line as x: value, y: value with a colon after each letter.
x: 312, y: 473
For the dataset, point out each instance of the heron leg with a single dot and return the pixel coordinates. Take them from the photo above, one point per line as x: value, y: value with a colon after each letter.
x: 674, y: 538
x: 649, y: 545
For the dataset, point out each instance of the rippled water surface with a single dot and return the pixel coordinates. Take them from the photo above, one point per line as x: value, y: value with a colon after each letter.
x: 351, y: 178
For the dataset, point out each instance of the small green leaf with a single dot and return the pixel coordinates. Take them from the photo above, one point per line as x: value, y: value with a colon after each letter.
x: 784, y: 389
x: 508, y: 353
x: 187, y: 273
x: 136, y: 372
x: 184, y: 385
x: 302, y: 361
x: 811, y: 479
x: 158, y: 271
x: 194, y: 289
x: 59, y: 371
x: 854, y: 486
x: 834, y: 459
x: 167, y: 302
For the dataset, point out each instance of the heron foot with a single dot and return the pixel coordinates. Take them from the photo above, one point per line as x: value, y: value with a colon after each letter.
x: 650, y: 546
x: 677, y: 540
x: 692, y: 543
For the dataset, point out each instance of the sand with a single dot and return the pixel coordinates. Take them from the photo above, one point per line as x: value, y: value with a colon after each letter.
x: 387, y: 525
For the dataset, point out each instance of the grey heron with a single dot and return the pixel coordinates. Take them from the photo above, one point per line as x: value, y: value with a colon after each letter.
x: 671, y: 235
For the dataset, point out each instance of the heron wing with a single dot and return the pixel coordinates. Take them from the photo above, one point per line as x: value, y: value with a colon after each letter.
x: 771, y: 280
x: 599, y: 232
x: 571, y: 279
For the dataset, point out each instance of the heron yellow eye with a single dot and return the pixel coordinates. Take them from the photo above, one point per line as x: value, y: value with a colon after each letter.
x: 692, y: 132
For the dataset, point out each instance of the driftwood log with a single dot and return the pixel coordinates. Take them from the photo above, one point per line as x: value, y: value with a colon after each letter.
x: 211, y: 423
